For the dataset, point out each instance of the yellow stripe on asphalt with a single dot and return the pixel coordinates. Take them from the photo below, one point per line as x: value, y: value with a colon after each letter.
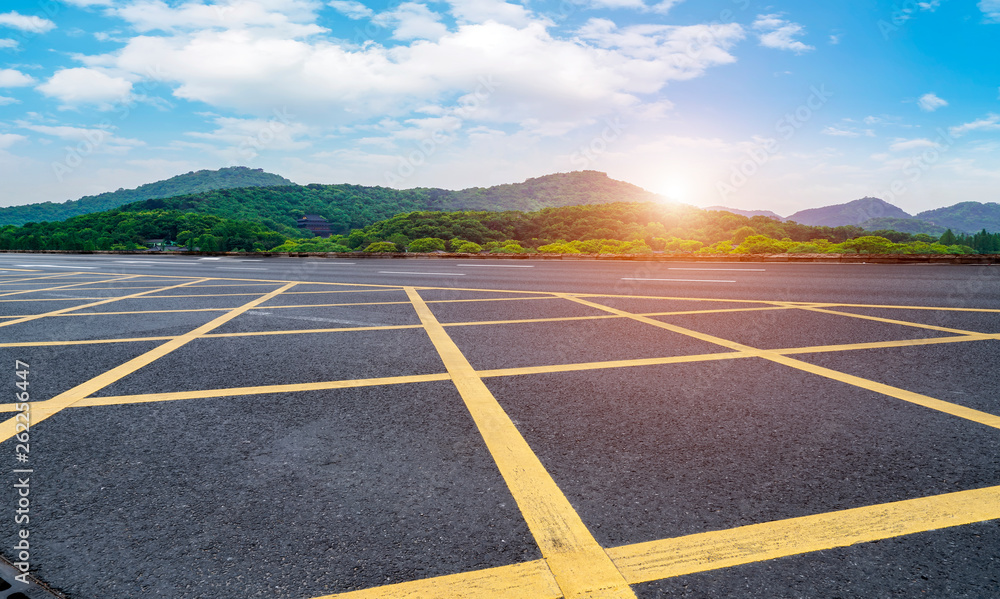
x: 908, y: 396
x: 65, y: 311
x: 579, y: 564
x: 70, y: 286
x: 668, y: 558
x: 707, y: 551
x: 40, y: 410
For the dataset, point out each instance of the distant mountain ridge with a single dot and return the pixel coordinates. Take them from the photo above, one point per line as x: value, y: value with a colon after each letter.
x: 188, y: 183
x: 876, y: 214
x: 851, y: 213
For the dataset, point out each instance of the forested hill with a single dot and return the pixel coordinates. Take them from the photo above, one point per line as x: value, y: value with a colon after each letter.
x: 189, y: 183
x: 355, y: 206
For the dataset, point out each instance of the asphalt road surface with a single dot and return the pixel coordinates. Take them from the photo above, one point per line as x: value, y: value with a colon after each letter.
x: 377, y: 428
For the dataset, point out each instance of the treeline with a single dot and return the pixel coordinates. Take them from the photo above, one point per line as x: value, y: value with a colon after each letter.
x: 632, y: 228
x: 125, y: 230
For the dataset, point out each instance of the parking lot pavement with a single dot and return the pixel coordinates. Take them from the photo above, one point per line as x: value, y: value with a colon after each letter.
x: 222, y: 434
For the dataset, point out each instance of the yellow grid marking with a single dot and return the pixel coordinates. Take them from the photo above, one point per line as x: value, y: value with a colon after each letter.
x: 915, y: 398
x: 758, y: 542
x: 579, y: 564
x: 37, y: 278
x: 500, y: 372
x: 42, y: 290
x: 40, y: 410
x: 702, y: 552
x: 904, y: 323
x: 572, y: 559
x: 65, y: 311
x: 262, y: 390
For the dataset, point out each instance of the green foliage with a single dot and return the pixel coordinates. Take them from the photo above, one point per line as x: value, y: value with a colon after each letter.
x: 427, y: 244
x: 109, y: 230
x: 466, y: 247
x: 381, y: 247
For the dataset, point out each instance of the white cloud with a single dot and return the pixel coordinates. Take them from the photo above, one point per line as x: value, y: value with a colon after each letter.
x: 103, y: 141
x: 31, y: 24
x: 990, y: 123
x: 779, y: 34
x: 662, y: 7
x: 9, y: 139
x: 8, y: 43
x: 482, y: 11
x: 602, y: 69
x: 242, y: 140
x: 930, y: 102
x: 5, y: 100
x: 351, y: 8
x: 86, y: 86
x: 991, y: 10
x: 14, y: 78
x: 902, y: 145
x: 85, y: 3
x: 411, y: 21
x: 282, y: 18
x: 835, y: 132
x: 615, y: 4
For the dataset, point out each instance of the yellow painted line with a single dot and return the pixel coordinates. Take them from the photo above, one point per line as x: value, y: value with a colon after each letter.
x: 818, y: 349
x: 262, y: 390
x: 904, y: 323
x: 581, y: 366
x: 42, y: 290
x: 65, y: 311
x: 665, y: 325
x: 82, y: 342
x: 527, y: 580
x: 36, y: 278
x: 40, y: 410
x: 703, y: 552
x: 392, y: 327
x: 908, y: 396
x: 897, y: 307
x: 579, y: 564
x: 668, y: 558
x: 50, y: 299
x: 114, y: 400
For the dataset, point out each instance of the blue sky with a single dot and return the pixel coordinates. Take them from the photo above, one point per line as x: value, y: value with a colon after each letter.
x: 774, y: 105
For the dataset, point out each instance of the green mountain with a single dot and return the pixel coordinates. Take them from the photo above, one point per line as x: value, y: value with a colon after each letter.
x: 356, y: 206
x: 193, y: 182
x: 903, y: 225
x: 851, y: 213
x: 966, y: 217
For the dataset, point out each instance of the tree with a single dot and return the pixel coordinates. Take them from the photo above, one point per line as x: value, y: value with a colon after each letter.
x: 948, y: 238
